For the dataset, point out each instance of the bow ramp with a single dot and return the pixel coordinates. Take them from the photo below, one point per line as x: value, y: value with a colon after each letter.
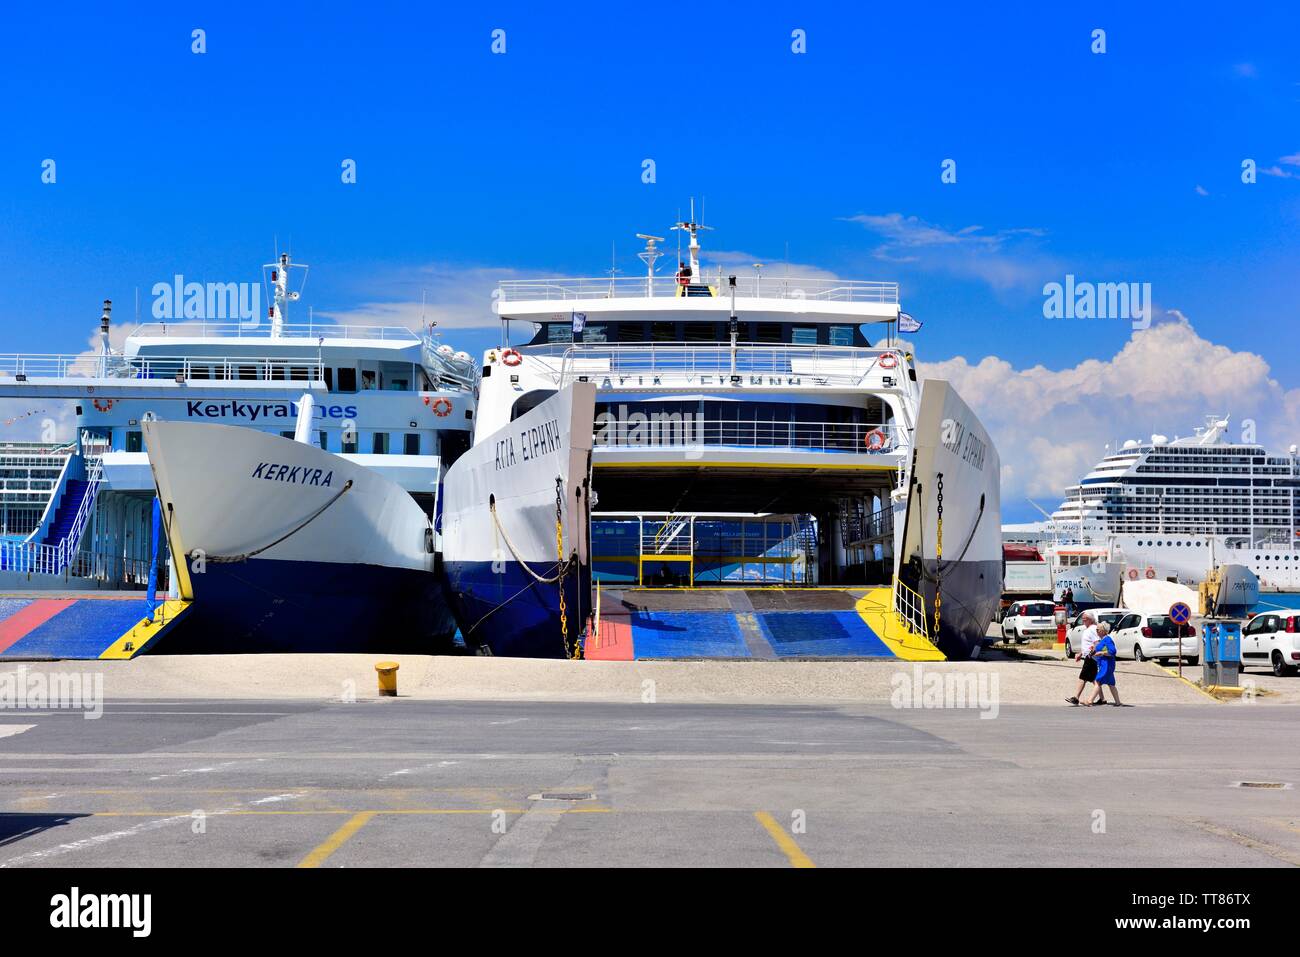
x: 83, y: 626
x: 761, y: 623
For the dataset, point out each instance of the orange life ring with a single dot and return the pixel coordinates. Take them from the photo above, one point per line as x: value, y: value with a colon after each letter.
x: 888, y: 360
x: 511, y: 357
x: 875, y: 440
x: 441, y: 407
x: 1132, y: 574
x: 1151, y: 572
x: 103, y: 405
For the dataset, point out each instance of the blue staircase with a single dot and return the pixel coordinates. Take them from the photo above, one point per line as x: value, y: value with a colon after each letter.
x: 65, y: 516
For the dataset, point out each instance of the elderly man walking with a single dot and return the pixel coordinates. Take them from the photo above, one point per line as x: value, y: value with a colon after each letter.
x: 1088, y: 673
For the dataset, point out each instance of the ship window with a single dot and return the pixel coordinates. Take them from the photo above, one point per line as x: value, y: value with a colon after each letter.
x: 596, y: 333
x: 701, y: 332
x: 379, y: 444
x: 768, y: 332
x: 559, y: 332
x: 369, y: 380
x: 329, y: 379
x: 411, y: 443
x: 199, y: 372
x: 347, y: 379
x: 804, y: 335
x: 299, y: 373
x: 349, y: 442
x: 133, y: 441
x: 247, y: 372
x: 631, y: 332
x: 663, y: 332
x: 324, y: 440
x: 841, y: 335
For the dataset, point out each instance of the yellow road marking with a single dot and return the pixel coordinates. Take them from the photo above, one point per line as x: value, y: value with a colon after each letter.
x: 784, y: 841
x: 336, y: 840
x: 338, y: 811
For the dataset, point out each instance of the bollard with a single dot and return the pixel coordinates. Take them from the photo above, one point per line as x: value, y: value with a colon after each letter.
x: 387, y: 678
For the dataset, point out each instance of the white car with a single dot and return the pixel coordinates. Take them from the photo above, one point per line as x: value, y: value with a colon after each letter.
x: 1029, y: 619
x: 1074, y: 636
x: 1272, y: 639
x: 1155, y: 636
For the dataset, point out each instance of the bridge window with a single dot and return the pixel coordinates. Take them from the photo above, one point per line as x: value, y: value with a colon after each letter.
x: 347, y: 379
x: 379, y: 444
x: 840, y: 335
x: 134, y: 441
x: 804, y: 335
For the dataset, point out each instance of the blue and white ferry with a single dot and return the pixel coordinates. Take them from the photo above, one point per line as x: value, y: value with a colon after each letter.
x: 182, y: 411
x: 704, y: 428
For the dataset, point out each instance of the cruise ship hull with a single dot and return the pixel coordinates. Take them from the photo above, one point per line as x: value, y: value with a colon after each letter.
x: 955, y: 458
x: 499, y: 542
x: 283, y: 547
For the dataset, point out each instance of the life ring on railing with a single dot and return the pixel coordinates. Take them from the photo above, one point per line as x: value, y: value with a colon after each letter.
x: 102, y: 405
x: 511, y: 357
x: 441, y: 406
x: 1132, y: 574
x: 888, y: 360
x: 1151, y: 572
x: 874, y: 440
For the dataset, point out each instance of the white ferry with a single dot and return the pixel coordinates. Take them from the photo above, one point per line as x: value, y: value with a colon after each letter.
x: 383, y: 400
x: 705, y: 428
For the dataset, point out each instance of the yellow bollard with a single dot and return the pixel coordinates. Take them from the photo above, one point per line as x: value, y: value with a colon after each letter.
x: 387, y: 678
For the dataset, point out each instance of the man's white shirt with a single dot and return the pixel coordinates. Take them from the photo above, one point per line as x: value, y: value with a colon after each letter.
x: 1090, y: 639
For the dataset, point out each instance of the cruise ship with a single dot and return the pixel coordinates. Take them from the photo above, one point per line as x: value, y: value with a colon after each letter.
x: 389, y: 401
x: 1178, y: 509
x: 710, y: 429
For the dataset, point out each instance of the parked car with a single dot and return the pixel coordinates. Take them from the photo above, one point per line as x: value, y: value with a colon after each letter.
x: 1029, y: 619
x: 1074, y: 634
x: 1155, y: 636
x: 1272, y: 639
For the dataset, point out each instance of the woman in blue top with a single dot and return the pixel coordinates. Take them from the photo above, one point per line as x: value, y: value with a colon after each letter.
x: 1104, y: 652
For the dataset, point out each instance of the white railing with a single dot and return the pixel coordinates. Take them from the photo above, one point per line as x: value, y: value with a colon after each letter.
x: 261, y: 369
x: 687, y: 430
x: 261, y: 329
x: 39, y: 559
x: 840, y: 365
x: 910, y: 606
x: 747, y: 287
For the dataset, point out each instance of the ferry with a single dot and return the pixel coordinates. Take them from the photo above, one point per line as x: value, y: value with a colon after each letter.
x: 652, y: 420
x: 380, y: 407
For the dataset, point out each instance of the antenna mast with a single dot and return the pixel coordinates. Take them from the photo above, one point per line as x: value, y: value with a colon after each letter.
x: 282, y: 296
x: 648, y: 256
x: 692, y: 228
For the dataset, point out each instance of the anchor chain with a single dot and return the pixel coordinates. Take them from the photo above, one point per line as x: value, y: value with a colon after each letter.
x: 938, y: 555
x: 576, y: 652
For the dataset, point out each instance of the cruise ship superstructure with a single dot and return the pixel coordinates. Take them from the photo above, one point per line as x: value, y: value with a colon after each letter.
x: 1180, y: 508
x: 744, y: 430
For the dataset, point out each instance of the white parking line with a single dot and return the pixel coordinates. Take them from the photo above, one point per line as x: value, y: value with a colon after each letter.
x: 9, y: 730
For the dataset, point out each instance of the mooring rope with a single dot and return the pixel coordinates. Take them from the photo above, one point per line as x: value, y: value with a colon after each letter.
x: 245, y: 556
x: 562, y: 568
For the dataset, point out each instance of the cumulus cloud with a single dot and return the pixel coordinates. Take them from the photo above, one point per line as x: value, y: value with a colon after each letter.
x: 454, y: 298
x: 1003, y: 258
x: 1051, y: 426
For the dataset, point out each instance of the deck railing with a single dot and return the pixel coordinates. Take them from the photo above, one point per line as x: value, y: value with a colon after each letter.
x: 747, y: 287
x: 686, y: 430
x: 686, y: 362
x: 39, y: 559
x: 910, y: 606
x: 261, y: 329
x: 257, y: 369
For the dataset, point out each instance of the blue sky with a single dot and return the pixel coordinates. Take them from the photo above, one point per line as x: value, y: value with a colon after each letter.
x: 1122, y: 166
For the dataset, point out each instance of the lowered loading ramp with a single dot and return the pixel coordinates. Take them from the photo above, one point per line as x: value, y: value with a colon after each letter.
x: 83, y: 627
x: 766, y: 623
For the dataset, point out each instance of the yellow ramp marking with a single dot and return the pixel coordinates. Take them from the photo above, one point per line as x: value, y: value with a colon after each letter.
x: 877, y: 609
x: 784, y: 841
x: 336, y: 840
x: 146, y: 630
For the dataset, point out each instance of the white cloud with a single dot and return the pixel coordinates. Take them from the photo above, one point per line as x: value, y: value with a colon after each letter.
x: 454, y: 298
x: 1004, y: 258
x: 1052, y: 425
x: 1201, y: 190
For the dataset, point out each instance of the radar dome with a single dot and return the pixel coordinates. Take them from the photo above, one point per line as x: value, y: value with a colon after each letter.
x: 445, y: 350
x: 1131, y: 444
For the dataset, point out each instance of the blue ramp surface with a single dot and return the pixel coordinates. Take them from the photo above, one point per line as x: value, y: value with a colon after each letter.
x: 823, y: 634
x: 83, y: 629
x: 687, y: 634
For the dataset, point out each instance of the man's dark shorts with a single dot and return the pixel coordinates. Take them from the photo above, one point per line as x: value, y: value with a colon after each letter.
x: 1089, y: 670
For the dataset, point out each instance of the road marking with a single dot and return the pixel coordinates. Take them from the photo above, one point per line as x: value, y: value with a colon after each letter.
x: 336, y: 840
x: 9, y: 730
x: 784, y: 841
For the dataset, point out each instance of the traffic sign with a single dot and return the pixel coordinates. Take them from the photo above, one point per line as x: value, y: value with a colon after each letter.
x: 1180, y: 612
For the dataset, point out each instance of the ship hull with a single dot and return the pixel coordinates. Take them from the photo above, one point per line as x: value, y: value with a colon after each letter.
x: 955, y: 467
x: 283, y: 547
x: 499, y: 547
